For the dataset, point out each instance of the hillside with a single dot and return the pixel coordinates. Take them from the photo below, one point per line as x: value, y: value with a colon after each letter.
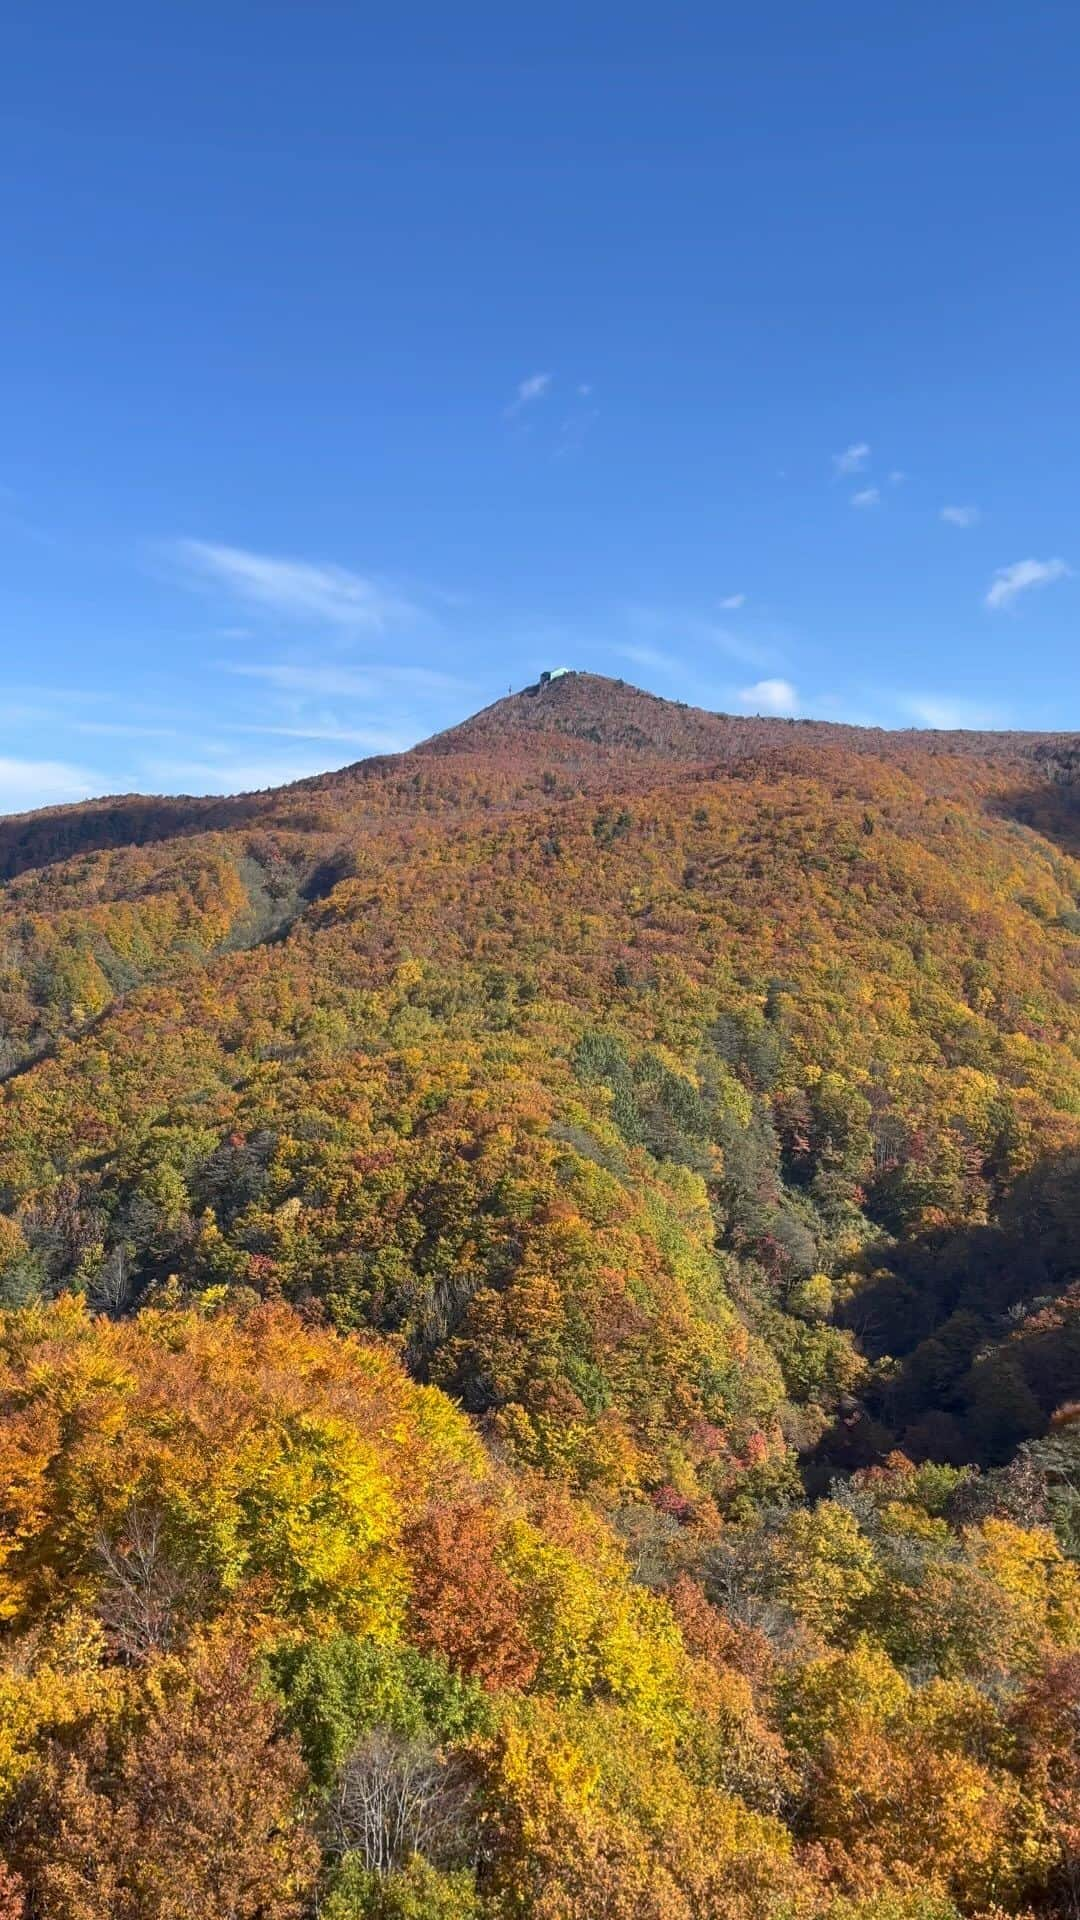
x: 845, y: 945
x: 611, y: 714
x: 695, y: 1103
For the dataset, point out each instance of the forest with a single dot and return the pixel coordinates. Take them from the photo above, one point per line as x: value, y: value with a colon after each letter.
x: 540, y: 1331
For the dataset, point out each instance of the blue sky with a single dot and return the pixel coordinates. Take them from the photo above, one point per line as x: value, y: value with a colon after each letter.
x: 360, y: 361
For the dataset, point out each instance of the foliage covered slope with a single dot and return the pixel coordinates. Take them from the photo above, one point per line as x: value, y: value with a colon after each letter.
x: 696, y: 1102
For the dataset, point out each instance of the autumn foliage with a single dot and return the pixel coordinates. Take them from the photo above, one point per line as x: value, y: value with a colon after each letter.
x: 540, y: 1333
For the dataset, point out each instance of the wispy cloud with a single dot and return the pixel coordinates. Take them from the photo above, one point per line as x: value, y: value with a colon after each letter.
x: 748, y: 653
x: 348, y: 682
x: 960, y: 516
x: 682, y: 649
x: 947, y: 711
x: 42, y: 783
x: 1010, y: 582
x: 847, y: 709
x: 375, y: 709
x: 270, y: 721
x: 375, y: 739
x: 853, y: 459
x: 770, y: 696
x: 296, y: 589
x: 732, y: 602
x: 665, y: 624
x: 529, y: 391
x: 897, y: 477
x: 14, y: 521
x: 124, y: 729
x: 866, y: 497
x: 574, y: 431
x: 230, y: 775
x: 649, y: 657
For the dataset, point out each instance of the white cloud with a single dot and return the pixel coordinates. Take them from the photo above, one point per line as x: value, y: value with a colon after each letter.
x: 866, y: 497
x: 1009, y: 582
x: 960, y: 516
x: 42, y: 783
x: 534, y: 388
x: 853, y: 459
x: 897, y: 477
x: 770, y: 696
x: 733, y: 602
x: 296, y: 589
x: 584, y: 389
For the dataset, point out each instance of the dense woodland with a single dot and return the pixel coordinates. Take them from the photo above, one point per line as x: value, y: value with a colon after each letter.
x: 540, y: 1335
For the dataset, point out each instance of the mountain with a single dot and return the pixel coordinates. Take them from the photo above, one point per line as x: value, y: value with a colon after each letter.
x: 611, y: 714
x: 856, y: 948
x: 694, y: 1101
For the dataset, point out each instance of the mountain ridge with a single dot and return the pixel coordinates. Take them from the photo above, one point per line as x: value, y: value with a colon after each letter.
x: 580, y: 701
x: 577, y: 701
x: 585, y: 721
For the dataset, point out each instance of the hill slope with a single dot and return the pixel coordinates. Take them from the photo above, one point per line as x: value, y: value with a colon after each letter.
x: 833, y: 955
x: 696, y: 1101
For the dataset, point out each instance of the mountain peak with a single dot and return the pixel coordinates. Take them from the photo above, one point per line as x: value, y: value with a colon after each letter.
x: 591, y: 708
x: 583, y: 715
